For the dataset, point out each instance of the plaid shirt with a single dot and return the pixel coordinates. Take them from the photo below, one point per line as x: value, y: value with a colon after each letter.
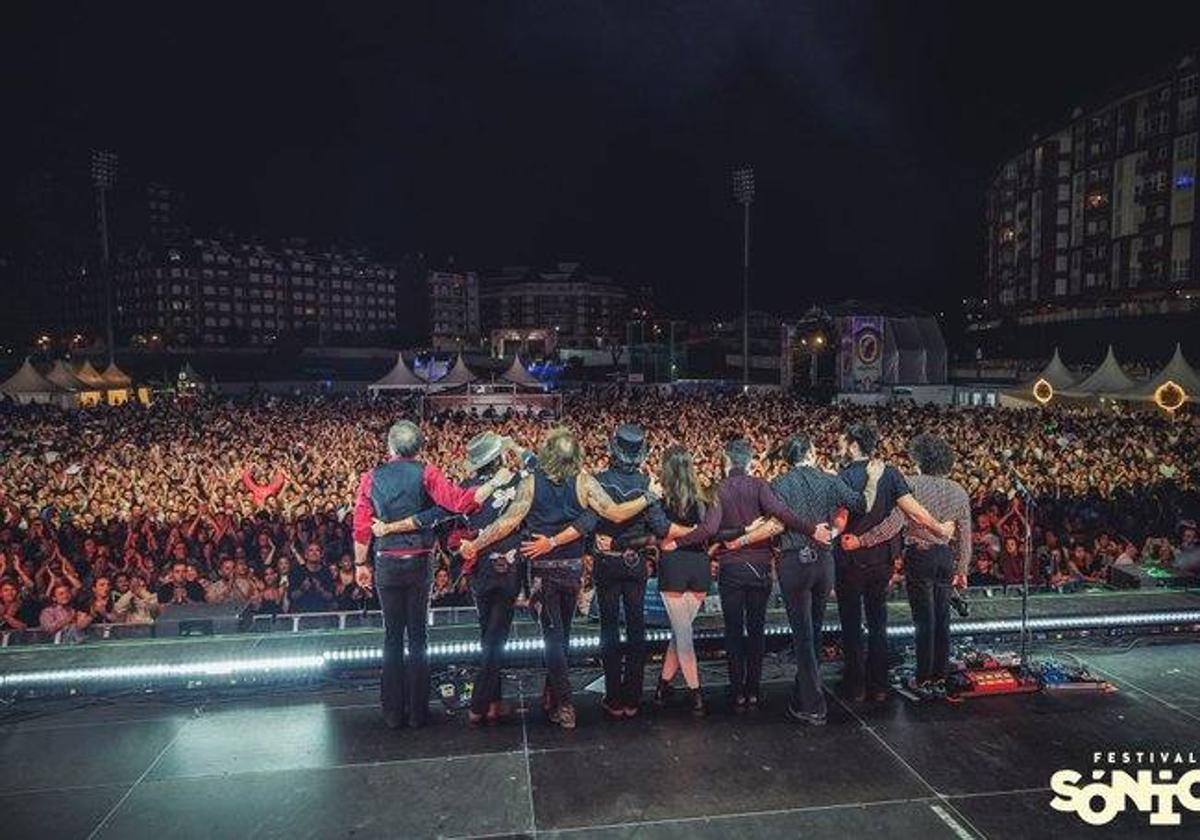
x: 945, y: 500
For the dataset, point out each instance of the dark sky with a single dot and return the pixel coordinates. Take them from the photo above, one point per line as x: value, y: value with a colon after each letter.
x: 523, y: 132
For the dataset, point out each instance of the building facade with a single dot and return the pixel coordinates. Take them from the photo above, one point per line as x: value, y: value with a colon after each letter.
x: 454, y: 310
x: 209, y: 292
x: 1101, y: 210
x: 584, y: 310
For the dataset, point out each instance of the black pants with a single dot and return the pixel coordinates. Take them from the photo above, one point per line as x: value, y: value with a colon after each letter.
x: 745, y: 590
x: 928, y: 574
x: 494, y: 594
x: 559, y: 595
x: 805, y: 587
x: 403, y: 586
x: 622, y: 581
x: 862, y: 592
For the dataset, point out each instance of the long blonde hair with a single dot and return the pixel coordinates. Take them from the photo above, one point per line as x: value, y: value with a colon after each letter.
x: 560, y: 456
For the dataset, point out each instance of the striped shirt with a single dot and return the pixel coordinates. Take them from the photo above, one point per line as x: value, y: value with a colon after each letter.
x: 945, y: 500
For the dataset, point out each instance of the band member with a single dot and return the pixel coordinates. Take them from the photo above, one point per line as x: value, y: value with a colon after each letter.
x: 933, y: 564
x: 805, y: 566
x: 745, y: 571
x: 496, y: 577
x: 403, y: 491
x: 685, y: 520
x: 551, y: 499
x: 620, y: 577
x: 862, y: 575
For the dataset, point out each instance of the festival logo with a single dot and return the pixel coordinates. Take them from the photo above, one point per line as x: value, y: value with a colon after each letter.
x: 1159, y: 783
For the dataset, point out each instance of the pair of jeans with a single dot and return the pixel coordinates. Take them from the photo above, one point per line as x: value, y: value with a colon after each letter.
x: 559, y: 596
x: 621, y: 581
x: 494, y: 594
x: 862, y: 592
x: 745, y: 589
x: 403, y: 586
x: 928, y: 573
x: 805, y: 582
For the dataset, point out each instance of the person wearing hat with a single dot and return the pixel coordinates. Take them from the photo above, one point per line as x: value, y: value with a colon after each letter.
x: 620, y: 576
x: 393, y: 499
x: 555, y: 502
x: 495, y: 576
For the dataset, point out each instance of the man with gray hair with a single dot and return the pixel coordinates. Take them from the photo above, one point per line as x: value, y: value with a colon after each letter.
x: 409, y: 494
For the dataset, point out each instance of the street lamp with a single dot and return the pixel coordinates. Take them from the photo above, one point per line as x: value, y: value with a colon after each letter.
x: 743, y: 194
x: 104, y: 176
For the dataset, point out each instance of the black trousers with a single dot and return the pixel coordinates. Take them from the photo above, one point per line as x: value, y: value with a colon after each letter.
x: 403, y: 587
x: 494, y: 594
x: 745, y: 590
x: 805, y: 587
x: 862, y: 593
x: 559, y: 596
x: 927, y: 575
x: 622, y: 581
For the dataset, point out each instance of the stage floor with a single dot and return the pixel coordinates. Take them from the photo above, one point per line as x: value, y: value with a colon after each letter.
x: 318, y: 763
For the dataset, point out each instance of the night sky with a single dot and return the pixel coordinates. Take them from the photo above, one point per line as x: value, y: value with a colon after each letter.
x: 515, y: 132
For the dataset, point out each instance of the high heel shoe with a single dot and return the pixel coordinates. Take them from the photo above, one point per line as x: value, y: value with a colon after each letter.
x: 698, y: 709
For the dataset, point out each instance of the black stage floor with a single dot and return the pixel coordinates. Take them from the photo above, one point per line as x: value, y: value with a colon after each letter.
x: 317, y: 763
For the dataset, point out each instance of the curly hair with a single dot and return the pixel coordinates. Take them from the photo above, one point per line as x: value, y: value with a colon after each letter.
x: 932, y: 454
x: 560, y: 456
x: 865, y: 435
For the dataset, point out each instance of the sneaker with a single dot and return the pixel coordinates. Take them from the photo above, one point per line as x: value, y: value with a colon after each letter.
x: 632, y: 711
x: 804, y: 717
x: 475, y: 720
x: 564, y: 716
x: 612, y: 710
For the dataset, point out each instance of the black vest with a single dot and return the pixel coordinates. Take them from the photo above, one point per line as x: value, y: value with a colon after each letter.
x: 555, y: 506
x: 493, y: 508
x: 397, y: 492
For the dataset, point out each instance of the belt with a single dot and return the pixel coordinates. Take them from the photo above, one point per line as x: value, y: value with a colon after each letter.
x: 631, y: 557
x: 566, y: 563
x: 403, y: 552
x: 804, y: 555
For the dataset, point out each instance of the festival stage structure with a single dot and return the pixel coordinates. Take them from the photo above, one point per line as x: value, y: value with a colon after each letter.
x: 300, y: 647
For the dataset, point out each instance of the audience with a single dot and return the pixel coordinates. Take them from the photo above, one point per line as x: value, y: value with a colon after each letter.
x: 107, y: 514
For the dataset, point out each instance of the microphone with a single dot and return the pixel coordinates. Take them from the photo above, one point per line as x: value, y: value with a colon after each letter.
x: 1018, y: 482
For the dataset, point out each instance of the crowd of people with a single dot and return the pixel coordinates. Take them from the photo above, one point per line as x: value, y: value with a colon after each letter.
x: 108, y: 514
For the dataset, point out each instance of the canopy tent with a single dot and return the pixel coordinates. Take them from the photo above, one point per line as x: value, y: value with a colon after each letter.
x: 399, y: 378
x: 1107, y: 380
x: 115, y: 377
x: 64, y: 377
x: 1055, y: 374
x: 460, y: 374
x: 90, y: 376
x: 27, y: 385
x: 518, y: 374
x: 1177, y: 370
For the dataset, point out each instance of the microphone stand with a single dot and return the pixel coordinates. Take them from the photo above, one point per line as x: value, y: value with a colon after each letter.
x: 1028, y: 507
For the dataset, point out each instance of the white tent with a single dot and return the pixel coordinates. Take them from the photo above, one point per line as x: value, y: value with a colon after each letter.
x: 1177, y: 370
x: 27, y: 385
x: 1055, y: 373
x: 518, y: 374
x: 460, y: 374
x: 115, y: 377
x: 90, y: 376
x: 399, y: 378
x: 1107, y: 380
x: 60, y: 374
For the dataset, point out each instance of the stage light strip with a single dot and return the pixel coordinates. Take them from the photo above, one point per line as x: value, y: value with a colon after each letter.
x: 307, y: 666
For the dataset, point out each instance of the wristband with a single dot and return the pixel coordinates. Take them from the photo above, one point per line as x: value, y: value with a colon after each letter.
x: 363, y: 563
x: 553, y: 542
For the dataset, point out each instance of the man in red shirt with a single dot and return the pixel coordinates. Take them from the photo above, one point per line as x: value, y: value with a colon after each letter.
x: 412, y: 495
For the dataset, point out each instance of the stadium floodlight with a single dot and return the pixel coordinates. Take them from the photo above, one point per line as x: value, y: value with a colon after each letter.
x: 104, y: 178
x: 743, y: 193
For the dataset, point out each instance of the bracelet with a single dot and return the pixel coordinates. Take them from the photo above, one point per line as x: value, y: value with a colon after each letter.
x: 363, y: 563
x: 553, y: 542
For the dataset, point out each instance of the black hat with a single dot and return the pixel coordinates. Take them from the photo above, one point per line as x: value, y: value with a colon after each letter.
x: 628, y: 444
